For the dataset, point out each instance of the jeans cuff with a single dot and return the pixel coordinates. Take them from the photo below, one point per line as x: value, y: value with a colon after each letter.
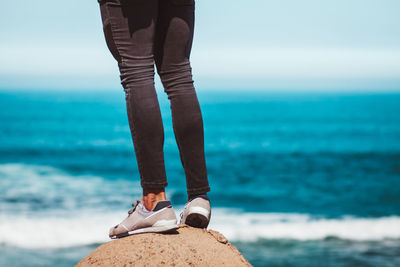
x: 198, y: 191
x: 154, y: 185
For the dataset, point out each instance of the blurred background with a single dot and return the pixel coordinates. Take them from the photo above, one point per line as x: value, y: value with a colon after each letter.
x: 301, y: 110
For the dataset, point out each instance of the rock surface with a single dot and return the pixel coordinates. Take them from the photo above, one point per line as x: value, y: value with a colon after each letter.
x: 185, y: 247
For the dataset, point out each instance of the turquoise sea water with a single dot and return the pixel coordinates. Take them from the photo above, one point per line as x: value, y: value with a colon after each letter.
x: 298, y: 179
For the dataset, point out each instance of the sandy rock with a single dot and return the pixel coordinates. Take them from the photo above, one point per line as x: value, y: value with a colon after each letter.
x: 185, y: 247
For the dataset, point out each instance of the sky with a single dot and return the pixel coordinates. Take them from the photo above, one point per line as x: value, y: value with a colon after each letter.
x: 238, y: 45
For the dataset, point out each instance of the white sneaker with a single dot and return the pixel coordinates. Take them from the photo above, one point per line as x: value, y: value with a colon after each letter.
x: 197, y: 212
x: 140, y: 220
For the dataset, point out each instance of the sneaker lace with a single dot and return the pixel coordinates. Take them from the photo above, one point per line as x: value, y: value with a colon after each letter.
x: 134, y: 205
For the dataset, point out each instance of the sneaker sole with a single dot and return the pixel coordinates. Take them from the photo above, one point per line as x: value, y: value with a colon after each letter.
x: 152, y: 229
x: 198, y: 217
x: 197, y: 220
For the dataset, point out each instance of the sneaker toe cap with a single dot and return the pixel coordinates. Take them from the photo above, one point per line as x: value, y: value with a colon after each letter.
x: 116, y: 230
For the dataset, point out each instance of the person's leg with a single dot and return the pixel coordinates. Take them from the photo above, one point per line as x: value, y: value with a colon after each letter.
x: 173, y: 42
x: 129, y: 28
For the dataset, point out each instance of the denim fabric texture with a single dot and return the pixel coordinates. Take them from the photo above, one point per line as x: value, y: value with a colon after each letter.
x: 143, y: 35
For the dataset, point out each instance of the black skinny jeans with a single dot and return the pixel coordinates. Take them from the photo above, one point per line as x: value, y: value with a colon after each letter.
x: 138, y: 34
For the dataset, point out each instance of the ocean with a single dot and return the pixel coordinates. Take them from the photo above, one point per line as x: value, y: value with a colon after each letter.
x: 297, y: 179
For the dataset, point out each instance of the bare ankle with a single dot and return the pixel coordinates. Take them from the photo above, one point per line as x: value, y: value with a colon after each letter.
x: 151, y: 196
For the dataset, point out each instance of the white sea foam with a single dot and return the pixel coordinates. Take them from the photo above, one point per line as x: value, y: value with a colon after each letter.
x: 88, y: 227
x: 79, y: 213
x: 253, y: 226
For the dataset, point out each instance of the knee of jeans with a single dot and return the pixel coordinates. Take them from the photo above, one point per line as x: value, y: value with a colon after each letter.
x: 177, y: 79
x: 136, y: 71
